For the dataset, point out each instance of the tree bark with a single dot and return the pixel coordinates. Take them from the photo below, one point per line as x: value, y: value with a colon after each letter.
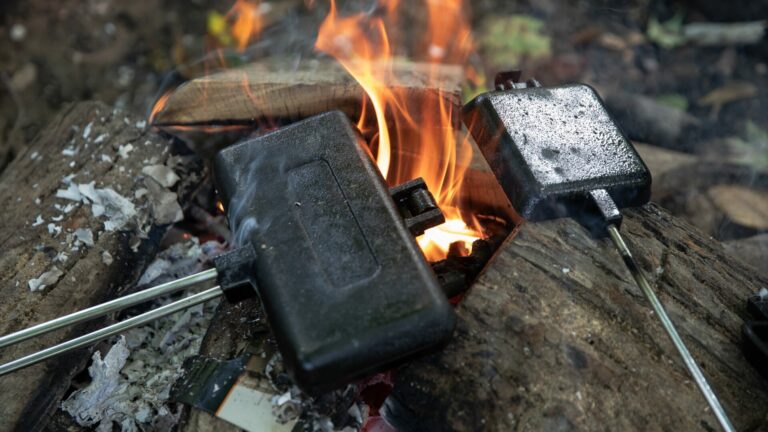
x: 555, y: 335
x: 87, y: 142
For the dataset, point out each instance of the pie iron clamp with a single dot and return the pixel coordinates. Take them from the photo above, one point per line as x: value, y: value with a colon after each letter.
x: 328, y: 248
x: 558, y: 153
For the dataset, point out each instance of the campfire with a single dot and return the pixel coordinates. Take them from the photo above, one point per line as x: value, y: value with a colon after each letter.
x: 335, y: 221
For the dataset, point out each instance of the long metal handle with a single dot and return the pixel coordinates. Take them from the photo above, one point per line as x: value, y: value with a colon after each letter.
x: 658, y: 308
x: 110, y: 306
x: 112, y: 330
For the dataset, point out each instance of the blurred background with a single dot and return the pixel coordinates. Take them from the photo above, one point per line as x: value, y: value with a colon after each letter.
x: 685, y: 79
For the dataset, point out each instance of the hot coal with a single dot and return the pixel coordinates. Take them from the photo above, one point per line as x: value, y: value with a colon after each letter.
x: 457, y: 272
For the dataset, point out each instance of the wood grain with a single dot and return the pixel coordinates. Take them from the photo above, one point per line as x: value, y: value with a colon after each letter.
x: 27, y: 190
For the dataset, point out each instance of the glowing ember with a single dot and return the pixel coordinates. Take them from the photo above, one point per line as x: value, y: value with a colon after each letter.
x: 361, y: 43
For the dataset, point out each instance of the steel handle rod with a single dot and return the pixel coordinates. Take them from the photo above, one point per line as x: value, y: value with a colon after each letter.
x: 110, y: 306
x: 658, y: 308
x: 111, y: 330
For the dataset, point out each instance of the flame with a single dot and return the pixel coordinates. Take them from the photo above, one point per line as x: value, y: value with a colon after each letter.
x: 362, y: 44
x: 247, y: 23
x: 159, y: 106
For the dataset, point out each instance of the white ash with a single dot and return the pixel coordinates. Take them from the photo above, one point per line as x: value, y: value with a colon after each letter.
x: 69, y: 151
x: 141, y: 124
x: 163, y: 203
x: 99, y: 139
x: 87, y: 130
x: 123, y: 151
x: 104, y: 202
x: 57, y: 218
x: 84, y: 236
x: 64, y: 209
x: 106, y: 258
x: 70, y: 193
x: 61, y: 257
x: 140, y: 192
x: 37, y: 201
x: 45, y: 280
x: 34, y: 156
x: 38, y: 221
x: 132, y: 385
x: 87, y: 405
x: 763, y: 293
x: 162, y: 174
x: 53, y: 229
x: 106, y: 158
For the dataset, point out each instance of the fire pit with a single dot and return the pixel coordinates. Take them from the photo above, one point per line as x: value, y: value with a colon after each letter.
x: 386, y: 249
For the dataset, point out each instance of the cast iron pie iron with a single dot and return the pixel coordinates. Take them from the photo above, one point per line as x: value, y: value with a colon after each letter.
x: 558, y: 153
x: 328, y: 248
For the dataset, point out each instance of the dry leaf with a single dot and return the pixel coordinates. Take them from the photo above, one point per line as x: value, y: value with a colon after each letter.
x: 742, y: 205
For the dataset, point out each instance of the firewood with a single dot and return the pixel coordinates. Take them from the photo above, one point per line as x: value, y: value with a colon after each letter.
x: 555, y: 335
x: 81, y: 222
x: 265, y: 90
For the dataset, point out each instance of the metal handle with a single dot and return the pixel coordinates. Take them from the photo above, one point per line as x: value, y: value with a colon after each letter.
x: 658, y: 308
x: 110, y: 306
x: 111, y: 330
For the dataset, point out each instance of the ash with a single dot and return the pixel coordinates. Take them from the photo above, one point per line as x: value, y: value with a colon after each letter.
x: 130, y: 386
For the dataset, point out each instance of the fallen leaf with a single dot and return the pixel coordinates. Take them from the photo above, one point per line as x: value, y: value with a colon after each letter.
x: 744, y: 206
x: 731, y: 92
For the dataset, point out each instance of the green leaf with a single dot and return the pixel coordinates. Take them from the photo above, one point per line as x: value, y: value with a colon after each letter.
x: 668, y: 34
x: 673, y: 100
x: 508, y: 40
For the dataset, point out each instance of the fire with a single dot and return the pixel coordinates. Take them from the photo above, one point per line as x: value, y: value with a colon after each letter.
x: 362, y: 44
x: 247, y: 23
x: 159, y: 105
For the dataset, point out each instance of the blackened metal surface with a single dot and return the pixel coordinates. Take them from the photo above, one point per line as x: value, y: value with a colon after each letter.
x: 235, y: 273
x: 549, y: 147
x: 206, y: 382
x: 345, y: 287
x: 417, y: 206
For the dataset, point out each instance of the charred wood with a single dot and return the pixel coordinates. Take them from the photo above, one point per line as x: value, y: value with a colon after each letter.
x: 82, y: 221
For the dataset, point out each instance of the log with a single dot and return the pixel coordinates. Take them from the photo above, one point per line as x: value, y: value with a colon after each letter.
x: 268, y: 90
x: 555, y: 336
x: 60, y: 254
x: 711, y: 195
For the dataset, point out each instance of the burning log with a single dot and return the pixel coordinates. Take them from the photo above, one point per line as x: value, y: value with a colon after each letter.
x: 84, y: 216
x: 264, y: 91
x: 556, y: 335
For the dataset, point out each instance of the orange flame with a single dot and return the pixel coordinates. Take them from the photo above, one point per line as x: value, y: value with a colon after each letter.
x: 159, y: 105
x: 362, y: 44
x: 247, y: 22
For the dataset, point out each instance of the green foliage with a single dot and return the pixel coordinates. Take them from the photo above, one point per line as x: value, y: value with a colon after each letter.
x: 509, y: 40
x: 668, y: 34
x: 673, y: 100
